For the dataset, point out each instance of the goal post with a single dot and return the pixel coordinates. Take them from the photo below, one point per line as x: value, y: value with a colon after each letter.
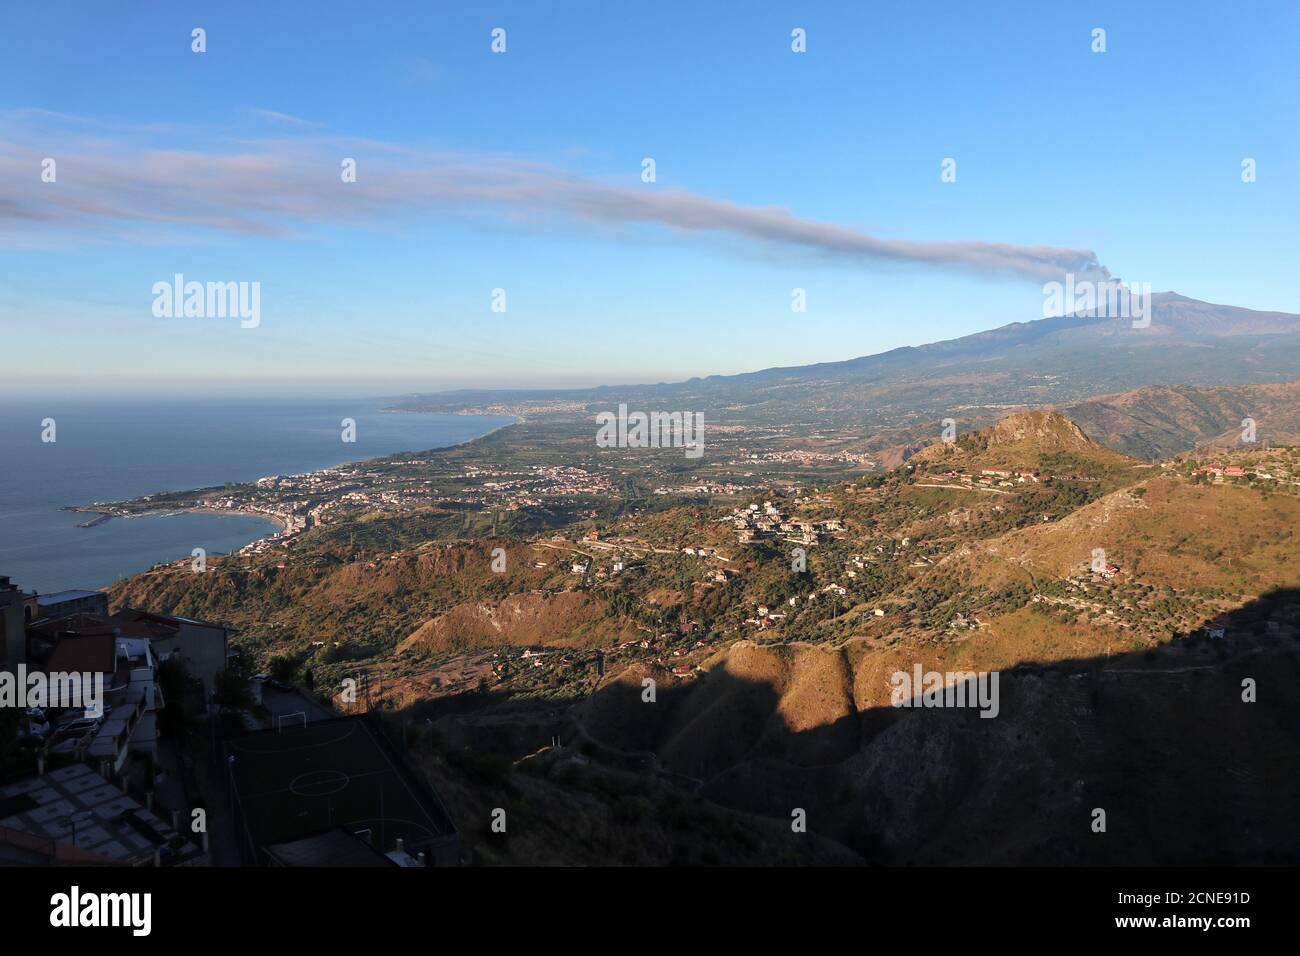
x: 297, y: 715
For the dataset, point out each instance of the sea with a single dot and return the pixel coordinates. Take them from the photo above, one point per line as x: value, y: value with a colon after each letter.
x: 117, y: 449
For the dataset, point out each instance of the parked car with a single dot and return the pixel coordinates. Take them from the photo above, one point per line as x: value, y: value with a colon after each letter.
x: 78, y: 726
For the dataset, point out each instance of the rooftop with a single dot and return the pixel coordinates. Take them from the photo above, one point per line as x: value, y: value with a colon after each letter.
x: 108, y: 822
x: 86, y: 653
x: 58, y: 597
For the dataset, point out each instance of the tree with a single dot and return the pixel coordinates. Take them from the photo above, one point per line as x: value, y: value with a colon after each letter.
x: 283, y: 667
x: 233, y: 693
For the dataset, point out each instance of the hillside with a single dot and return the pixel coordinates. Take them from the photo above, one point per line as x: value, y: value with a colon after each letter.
x: 1185, y: 771
x: 1165, y: 531
x: 567, y: 618
x: 435, y: 596
x: 1159, y: 422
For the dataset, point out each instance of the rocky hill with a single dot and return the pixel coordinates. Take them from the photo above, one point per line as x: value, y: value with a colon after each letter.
x: 1026, y: 440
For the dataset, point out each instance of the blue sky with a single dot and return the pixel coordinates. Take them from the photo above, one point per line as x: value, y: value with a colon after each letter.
x: 1134, y: 155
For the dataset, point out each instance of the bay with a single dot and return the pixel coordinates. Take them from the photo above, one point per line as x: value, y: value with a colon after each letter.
x: 118, y: 449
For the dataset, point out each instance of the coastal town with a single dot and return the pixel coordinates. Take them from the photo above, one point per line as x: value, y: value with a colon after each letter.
x: 539, y: 483
x: 301, y: 502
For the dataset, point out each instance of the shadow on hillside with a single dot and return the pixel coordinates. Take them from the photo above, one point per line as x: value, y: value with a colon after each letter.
x: 1185, y: 769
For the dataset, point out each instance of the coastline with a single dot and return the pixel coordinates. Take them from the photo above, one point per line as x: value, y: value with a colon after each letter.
x: 106, y: 516
x: 239, y: 512
x: 103, y: 516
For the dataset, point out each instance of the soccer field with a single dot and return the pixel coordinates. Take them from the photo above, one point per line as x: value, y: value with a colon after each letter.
x: 305, y: 779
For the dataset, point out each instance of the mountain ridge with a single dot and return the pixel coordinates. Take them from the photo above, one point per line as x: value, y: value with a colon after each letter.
x: 1172, y: 314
